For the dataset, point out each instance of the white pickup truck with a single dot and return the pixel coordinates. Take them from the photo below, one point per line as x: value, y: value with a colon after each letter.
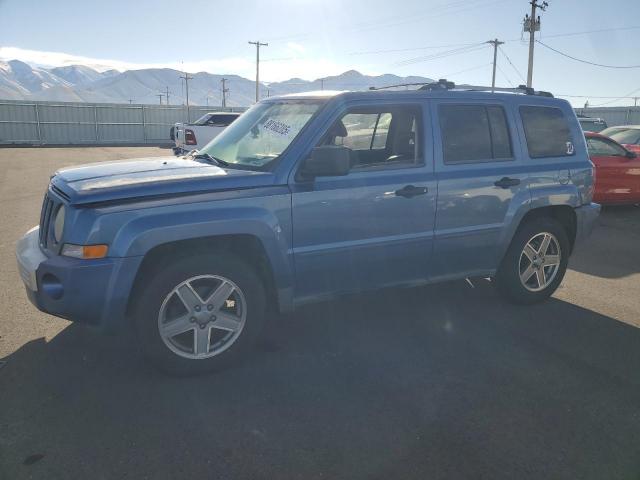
x: 191, y: 136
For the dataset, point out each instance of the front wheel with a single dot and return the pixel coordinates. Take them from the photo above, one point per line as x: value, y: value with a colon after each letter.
x: 535, y: 262
x: 200, y: 313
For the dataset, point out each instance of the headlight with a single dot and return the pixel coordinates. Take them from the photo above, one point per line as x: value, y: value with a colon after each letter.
x: 58, y: 224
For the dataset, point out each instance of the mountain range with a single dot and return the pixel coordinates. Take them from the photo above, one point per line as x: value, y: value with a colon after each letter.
x: 80, y: 83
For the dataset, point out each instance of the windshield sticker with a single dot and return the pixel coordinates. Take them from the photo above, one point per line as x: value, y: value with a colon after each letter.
x: 279, y: 128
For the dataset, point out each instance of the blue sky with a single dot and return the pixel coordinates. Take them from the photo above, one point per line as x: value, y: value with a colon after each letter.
x: 310, y: 39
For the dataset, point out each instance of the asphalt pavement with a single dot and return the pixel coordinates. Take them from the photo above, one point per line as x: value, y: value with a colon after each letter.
x: 441, y: 382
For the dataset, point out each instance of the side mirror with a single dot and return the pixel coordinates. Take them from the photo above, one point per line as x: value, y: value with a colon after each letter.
x: 327, y: 161
x: 630, y: 154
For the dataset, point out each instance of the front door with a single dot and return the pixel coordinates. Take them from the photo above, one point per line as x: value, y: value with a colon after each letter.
x: 374, y: 226
x: 477, y: 167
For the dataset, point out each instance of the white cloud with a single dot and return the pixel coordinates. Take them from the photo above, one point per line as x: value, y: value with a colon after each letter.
x: 270, y: 71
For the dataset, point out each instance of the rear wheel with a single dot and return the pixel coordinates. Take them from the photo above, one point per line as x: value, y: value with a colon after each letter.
x: 200, y: 313
x: 535, y: 262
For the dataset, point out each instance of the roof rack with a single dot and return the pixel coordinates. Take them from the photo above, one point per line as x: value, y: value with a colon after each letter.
x: 444, y: 84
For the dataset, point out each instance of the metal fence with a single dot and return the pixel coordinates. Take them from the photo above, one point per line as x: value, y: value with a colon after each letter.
x: 613, y: 115
x: 66, y: 123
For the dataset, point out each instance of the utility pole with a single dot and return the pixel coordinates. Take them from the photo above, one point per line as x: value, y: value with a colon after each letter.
x: 258, y: 45
x: 224, y: 92
x: 322, y: 84
x: 635, y: 101
x: 186, y: 78
x: 531, y: 25
x: 496, y: 43
x: 160, y: 95
x: 166, y: 95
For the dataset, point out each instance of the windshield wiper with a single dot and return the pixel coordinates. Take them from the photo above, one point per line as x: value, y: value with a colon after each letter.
x: 211, y: 159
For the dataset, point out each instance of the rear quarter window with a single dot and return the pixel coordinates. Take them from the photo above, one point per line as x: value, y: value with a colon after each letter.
x: 547, y: 132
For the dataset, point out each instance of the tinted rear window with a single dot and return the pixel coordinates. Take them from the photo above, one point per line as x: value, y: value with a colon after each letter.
x: 474, y: 133
x: 547, y: 132
x: 221, y: 120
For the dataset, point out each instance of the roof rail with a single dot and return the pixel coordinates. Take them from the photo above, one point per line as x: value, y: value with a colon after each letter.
x: 398, y: 85
x: 444, y: 84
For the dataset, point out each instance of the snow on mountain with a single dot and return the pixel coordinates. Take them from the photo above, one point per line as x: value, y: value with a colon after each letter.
x: 80, y: 74
x: 80, y: 83
x: 32, y: 79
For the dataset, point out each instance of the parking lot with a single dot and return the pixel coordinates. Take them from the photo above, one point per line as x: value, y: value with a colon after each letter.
x: 445, y: 381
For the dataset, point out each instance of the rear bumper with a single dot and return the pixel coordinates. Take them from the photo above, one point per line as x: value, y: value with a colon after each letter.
x: 94, y: 292
x: 586, y: 216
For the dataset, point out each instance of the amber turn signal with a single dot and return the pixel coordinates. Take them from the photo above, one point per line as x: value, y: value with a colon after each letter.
x: 84, y: 251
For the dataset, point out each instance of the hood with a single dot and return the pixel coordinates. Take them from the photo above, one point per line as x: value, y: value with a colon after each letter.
x: 147, y: 177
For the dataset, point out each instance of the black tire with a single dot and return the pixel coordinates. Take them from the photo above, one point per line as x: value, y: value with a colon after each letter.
x: 160, y: 285
x: 507, y: 278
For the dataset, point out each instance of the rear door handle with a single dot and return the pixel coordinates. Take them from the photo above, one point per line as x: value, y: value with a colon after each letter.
x: 506, y: 182
x: 411, y: 191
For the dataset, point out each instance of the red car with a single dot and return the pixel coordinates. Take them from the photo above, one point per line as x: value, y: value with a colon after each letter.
x: 617, y: 171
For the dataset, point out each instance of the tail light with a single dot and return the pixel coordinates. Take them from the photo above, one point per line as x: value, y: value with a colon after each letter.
x: 189, y: 137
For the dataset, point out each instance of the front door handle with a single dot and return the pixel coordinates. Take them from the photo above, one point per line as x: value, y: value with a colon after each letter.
x: 506, y: 182
x: 411, y: 191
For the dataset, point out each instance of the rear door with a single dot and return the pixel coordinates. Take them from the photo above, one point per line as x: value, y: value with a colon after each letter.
x: 374, y: 226
x: 479, y: 172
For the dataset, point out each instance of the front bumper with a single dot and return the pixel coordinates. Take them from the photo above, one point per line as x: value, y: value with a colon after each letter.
x: 586, y: 216
x: 87, y: 291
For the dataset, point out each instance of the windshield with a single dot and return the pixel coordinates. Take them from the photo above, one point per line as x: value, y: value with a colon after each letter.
x: 261, y: 134
x: 631, y: 135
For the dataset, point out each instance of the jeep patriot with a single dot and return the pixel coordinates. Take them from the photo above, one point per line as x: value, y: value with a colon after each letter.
x: 310, y: 196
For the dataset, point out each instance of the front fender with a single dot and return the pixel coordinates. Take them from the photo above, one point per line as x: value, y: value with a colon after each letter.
x: 141, y: 230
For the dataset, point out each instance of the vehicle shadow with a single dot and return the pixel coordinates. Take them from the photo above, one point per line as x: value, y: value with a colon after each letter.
x: 445, y: 381
x: 611, y: 251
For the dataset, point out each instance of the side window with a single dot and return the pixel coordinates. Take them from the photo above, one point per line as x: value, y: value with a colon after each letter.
x: 378, y: 138
x: 547, y: 132
x: 474, y: 133
x: 604, y: 148
x: 362, y: 132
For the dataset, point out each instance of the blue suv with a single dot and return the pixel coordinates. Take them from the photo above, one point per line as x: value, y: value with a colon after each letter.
x: 309, y: 196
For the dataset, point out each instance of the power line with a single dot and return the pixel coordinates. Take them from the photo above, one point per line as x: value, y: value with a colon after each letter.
x: 448, y: 8
x: 586, y: 32
x: 512, y: 65
x: 506, y: 77
x: 511, y: 40
x: 393, y: 50
x: 477, y: 67
x: 444, y: 54
x: 616, y: 99
x: 587, y: 61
